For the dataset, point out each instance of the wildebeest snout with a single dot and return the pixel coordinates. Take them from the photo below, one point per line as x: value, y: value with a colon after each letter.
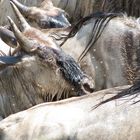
x: 87, y: 84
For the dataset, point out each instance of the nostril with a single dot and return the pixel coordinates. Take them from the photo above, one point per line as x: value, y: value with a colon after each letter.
x: 88, y: 87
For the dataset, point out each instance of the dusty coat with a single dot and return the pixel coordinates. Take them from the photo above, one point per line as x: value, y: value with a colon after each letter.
x: 113, y: 59
x: 77, y: 119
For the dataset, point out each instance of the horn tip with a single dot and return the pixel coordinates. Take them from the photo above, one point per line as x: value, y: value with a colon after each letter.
x: 12, y: 4
x: 9, y: 19
x: 11, y: 0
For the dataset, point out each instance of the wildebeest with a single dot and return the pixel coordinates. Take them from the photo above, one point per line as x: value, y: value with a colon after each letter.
x: 111, y: 45
x: 42, y: 72
x: 45, y: 17
x: 32, y: 80
x: 112, y: 42
x: 104, y: 115
x: 78, y: 9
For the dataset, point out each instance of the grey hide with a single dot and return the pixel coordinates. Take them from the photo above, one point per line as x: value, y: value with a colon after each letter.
x: 77, y: 119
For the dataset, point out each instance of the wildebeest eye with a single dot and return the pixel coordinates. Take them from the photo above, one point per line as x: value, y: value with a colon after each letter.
x: 48, y: 23
x: 50, y: 59
x: 52, y: 24
x: 14, y: 41
x: 42, y: 24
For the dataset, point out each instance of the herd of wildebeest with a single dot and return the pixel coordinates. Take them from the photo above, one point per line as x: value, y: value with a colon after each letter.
x: 84, y: 50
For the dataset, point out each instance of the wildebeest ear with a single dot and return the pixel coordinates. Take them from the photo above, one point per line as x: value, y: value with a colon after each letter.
x: 87, y: 85
x: 9, y: 60
x: 8, y: 36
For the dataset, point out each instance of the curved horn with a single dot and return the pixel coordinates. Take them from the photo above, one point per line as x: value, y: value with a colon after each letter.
x: 24, y: 42
x: 24, y: 9
x: 22, y: 20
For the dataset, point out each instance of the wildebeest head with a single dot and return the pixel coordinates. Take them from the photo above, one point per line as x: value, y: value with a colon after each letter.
x: 34, y: 77
x: 61, y: 73
x: 45, y: 18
